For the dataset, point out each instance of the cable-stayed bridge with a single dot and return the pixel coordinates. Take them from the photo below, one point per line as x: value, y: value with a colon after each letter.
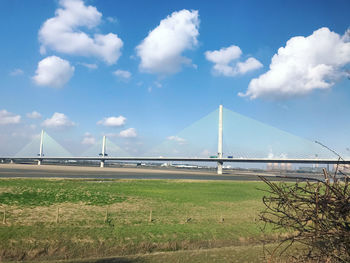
x: 220, y: 137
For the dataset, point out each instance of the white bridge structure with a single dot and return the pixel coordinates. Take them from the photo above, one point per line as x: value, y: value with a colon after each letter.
x: 219, y: 159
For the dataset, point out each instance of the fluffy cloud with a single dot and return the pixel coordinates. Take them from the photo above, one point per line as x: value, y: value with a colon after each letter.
x: 9, y: 118
x: 177, y: 139
x: 63, y: 33
x: 88, y: 139
x: 128, y: 133
x: 226, y: 62
x: 58, y: 120
x: 112, y: 121
x: 248, y: 65
x: 122, y: 74
x: 161, y: 51
x: 53, y: 72
x: 34, y: 115
x: 303, y: 65
x: 224, y: 56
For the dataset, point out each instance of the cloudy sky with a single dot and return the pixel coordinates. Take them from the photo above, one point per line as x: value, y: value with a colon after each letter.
x: 141, y: 71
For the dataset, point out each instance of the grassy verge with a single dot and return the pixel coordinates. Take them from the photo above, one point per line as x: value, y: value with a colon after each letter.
x: 67, y: 219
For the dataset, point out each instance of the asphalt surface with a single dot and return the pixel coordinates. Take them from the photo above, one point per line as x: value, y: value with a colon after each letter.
x: 71, y: 172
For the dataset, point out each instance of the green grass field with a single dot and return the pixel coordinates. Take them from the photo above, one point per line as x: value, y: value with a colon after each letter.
x: 68, y: 219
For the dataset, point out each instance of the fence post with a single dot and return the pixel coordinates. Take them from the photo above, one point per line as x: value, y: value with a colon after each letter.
x: 57, y: 214
x: 150, y: 216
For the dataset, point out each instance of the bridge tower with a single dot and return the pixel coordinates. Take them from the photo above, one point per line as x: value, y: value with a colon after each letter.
x: 103, y: 153
x: 220, y: 155
x: 41, y: 153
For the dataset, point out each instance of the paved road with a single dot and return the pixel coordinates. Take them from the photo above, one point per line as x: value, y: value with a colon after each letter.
x: 53, y: 171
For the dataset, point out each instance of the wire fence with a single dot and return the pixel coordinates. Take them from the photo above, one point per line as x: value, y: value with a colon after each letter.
x: 12, y: 215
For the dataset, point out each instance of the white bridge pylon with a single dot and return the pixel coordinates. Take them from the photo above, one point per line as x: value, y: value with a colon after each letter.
x: 103, y: 152
x: 220, y: 141
x: 41, y: 147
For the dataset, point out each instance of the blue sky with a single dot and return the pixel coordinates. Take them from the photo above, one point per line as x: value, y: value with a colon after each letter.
x: 162, y: 65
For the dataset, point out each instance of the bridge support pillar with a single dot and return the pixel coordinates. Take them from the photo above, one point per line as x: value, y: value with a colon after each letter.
x: 102, y: 163
x: 11, y: 161
x: 39, y: 162
x: 219, y: 171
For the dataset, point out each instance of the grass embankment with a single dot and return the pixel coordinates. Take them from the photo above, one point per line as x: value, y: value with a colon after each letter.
x: 66, y: 219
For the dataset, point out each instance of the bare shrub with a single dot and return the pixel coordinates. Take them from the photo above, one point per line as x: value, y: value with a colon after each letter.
x: 315, y: 214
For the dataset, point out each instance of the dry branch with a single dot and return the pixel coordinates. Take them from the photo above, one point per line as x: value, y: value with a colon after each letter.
x: 315, y: 214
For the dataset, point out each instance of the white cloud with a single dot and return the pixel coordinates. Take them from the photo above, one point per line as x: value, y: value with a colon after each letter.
x: 128, y: 133
x: 124, y: 74
x: 63, y: 33
x: 16, y: 72
x: 226, y: 61
x: 303, y: 65
x: 58, y: 120
x: 9, y: 118
x: 112, y: 121
x: 161, y: 51
x: 53, y: 72
x: 224, y: 55
x: 177, y: 139
x: 89, y: 66
x: 34, y: 115
x: 88, y: 139
x: 249, y: 65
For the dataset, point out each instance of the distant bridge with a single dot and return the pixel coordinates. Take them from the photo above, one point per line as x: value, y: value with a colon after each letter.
x: 219, y: 159
x: 181, y: 159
